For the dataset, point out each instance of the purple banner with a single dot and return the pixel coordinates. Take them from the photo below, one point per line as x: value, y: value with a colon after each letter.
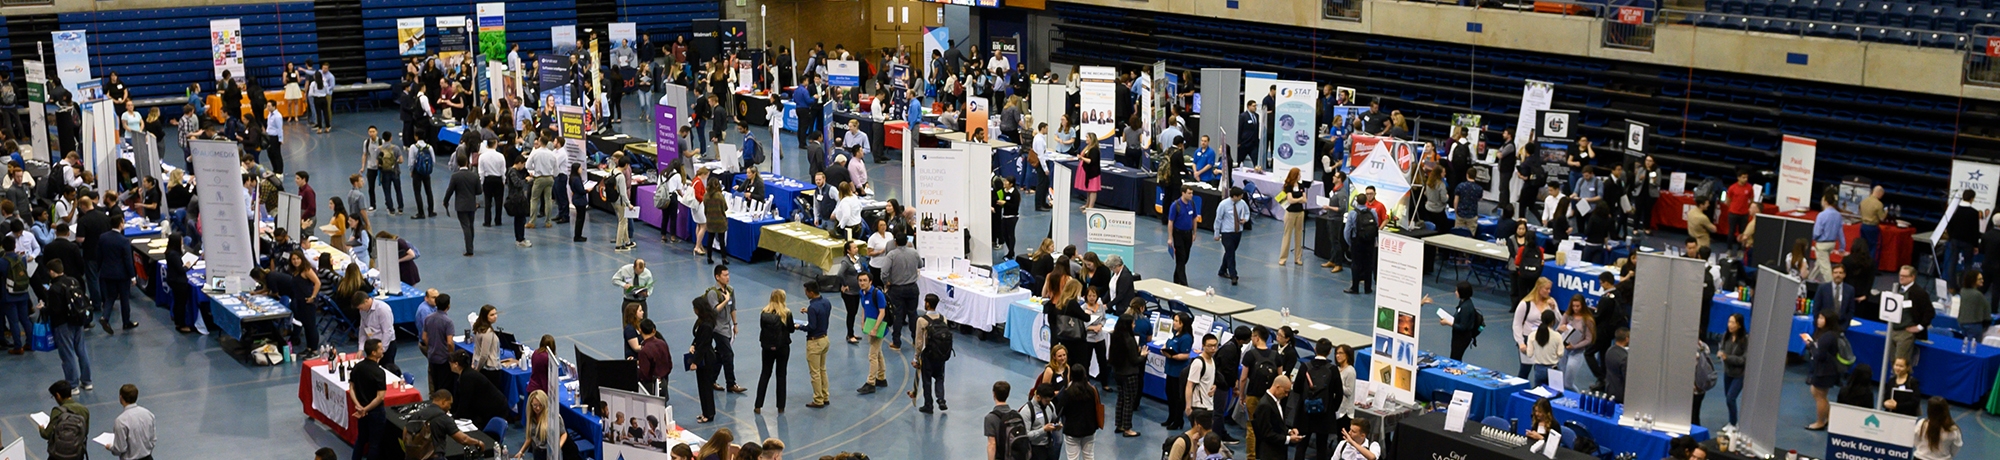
x: 666, y: 134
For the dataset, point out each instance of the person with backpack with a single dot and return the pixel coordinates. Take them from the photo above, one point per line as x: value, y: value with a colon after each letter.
x: 69, y: 424
x: 1006, y: 431
x: 934, y: 348
x: 1082, y: 412
x: 1464, y: 333
x: 14, y: 300
x: 1319, y: 398
x: 1824, y: 348
x: 423, y: 161
x: 1200, y: 379
x: 1260, y: 368
x: 389, y: 167
x: 1183, y: 447
x: 1704, y: 379
x: 67, y: 308
x: 1362, y: 225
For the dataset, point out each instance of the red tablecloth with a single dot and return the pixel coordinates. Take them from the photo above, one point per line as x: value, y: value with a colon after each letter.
x: 1897, y: 242
x: 397, y: 396
x: 892, y: 133
x: 1667, y: 211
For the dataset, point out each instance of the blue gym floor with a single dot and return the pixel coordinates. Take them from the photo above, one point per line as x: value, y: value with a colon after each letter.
x: 210, y: 403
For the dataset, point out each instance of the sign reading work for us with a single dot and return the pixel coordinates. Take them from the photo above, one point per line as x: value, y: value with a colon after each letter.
x: 1858, y: 433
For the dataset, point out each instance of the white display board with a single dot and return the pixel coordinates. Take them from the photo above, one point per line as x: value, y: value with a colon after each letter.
x: 287, y: 217
x: 72, y: 57
x: 625, y: 34
x: 1859, y: 433
x: 942, y: 203
x: 1795, y: 173
x: 562, y: 39
x: 1535, y: 97
x: 385, y: 257
x: 1097, y: 100
x: 225, y: 231
x: 843, y: 73
x: 1983, y: 179
x: 225, y: 44
x: 1382, y: 163
x: 1045, y: 105
x: 38, y: 121
x: 1292, y: 136
x: 1060, y: 178
x: 1399, y: 295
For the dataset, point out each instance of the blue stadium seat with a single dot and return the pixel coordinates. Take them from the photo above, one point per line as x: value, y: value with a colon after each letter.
x: 1753, y: 8
x: 1826, y: 11
x: 1872, y: 13
x: 1845, y: 12
x: 1814, y: 29
x: 1898, y: 16
x: 1941, y: 40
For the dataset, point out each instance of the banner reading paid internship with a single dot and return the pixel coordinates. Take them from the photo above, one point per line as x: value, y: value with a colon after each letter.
x: 1795, y: 173
x: 1292, y: 132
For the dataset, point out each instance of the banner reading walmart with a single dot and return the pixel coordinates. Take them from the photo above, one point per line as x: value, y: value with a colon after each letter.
x: 492, y: 30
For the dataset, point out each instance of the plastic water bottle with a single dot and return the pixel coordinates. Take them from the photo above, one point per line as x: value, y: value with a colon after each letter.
x: 1211, y: 291
x: 1286, y: 313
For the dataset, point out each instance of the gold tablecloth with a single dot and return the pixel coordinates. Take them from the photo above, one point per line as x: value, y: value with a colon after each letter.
x: 802, y: 242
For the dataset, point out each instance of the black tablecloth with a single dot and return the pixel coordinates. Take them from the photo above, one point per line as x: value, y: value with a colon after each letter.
x: 1208, y: 199
x: 1423, y: 438
x: 1327, y: 229
x: 1122, y: 188
x: 750, y: 109
x: 391, y: 440
x: 868, y: 125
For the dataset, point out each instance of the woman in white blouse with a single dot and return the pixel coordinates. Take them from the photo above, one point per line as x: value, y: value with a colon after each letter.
x: 1528, y: 318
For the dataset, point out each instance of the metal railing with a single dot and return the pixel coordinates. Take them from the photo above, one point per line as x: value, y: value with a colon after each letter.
x: 1629, y: 27
x: 1981, y: 66
x: 1346, y: 10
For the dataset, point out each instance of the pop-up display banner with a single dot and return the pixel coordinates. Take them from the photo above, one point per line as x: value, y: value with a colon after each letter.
x: 1398, y: 304
x: 492, y: 30
x: 225, y: 44
x: 72, y: 58
x: 1097, y: 100
x: 1795, y: 173
x: 227, y: 246
x: 38, y: 95
x: 1659, y: 386
x: 942, y: 204
x: 1535, y: 96
x: 1292, y: 132
x: 1770, y: 332
x: 410, y: 37
x: 1860, y: 433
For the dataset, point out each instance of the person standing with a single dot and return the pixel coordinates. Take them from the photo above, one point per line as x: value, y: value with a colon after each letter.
x: 818, y: 312
x: 464, y: 185
x: 1007, y: 213
x: 1917, y: 315
x: 1177, y: 351
x: 322, y: 93
x: 1128, y: 362
x: 390, y: 162
x: 1247, y: 134
x: 68, y: 311
x: 423, y: 161
x: 656, y: 362
x: 1362, y: 225
x: 132, y: 432
x: 1938, y: 437
x: 68, y: 423
x: 377, y: 324
x: 493, y: 182
x: 1230, y: 216
x: 1740, y: 199
x: 1319, y: 401
x: 900, y: 273
x: 1079, y: 405
x: 1735, y: 343
x: 874, y: 309
x: 1962, y: 234
x: 934, y: 347
x: 774, y: 338
x: 1200, y: 389
x: 1183, y: 213
x: 1464, y: 327
x: 1873, y: 214
x: 1294, y: 201
x: 1268, y: 425
x: 722, y: 297
x: 1830, y: 239
x: 634, y: 281
x: 438, y: 343
x: 705, y: 359
x: 543, y: 165
x: 365, y: 393
x: 715, y: 214
x: 114, y: 273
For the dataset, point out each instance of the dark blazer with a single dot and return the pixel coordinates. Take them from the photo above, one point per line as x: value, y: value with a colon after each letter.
x: 1907, y: 402
x: 1989, y: 243
x: 1268, y: 422
x: 1079, y: 410
x: 1123, y: 292
x: 114, y: 256
x: 63, y: 249
x: 1920, y: 312
x: 477, y: 399
x: 1125, y: 357
x: 1838, y: 296
x: 1615, y: 359
x: 464, y: 187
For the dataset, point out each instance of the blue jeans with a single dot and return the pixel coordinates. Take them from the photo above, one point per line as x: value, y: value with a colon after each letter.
x: 1732, y: 389
x: 392, y: 185
x: 1539, y: 374
x: 69, y: 346
x: 19, y: 327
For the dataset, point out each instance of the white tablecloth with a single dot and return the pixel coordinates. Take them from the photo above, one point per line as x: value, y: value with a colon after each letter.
x: 964, y: 303
x: 330, y: 393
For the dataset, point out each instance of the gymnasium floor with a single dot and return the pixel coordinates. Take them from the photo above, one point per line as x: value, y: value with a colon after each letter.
x: 210, y: 403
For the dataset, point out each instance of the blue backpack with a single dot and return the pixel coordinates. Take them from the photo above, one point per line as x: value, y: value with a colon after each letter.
x: 420, y: 159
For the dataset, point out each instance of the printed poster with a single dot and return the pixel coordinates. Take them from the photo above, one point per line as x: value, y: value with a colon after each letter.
x: 38, y: 121
x: 1983, y: 179
x: 843, y: 73
x: 1795, y: 173
x: 666, y: 135
x: 639, y: 424
x: 941, y: 202
x: 1860, y: 433
x: 562, y: 39
x: 1535, y: 96
x: 1383, y: 163
x: 451, y: 39
x: 1109, y: 232
x: 571, y: 119
x: 1293, y: 129
x: 624, y: 34
x: 410, y: 37
x: 554, y: 78
x: 492, y: 30
x: 1398, y: 304
x: 72, y: 58
x: 977, y: 114
x: 228, y: 247
x: 225, y: 44
x: 1098, y: 99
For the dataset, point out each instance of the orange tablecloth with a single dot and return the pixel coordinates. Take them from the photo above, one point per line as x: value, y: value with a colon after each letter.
x: 1897, y: 242
x: 291, y: 108
x: 397, y: 396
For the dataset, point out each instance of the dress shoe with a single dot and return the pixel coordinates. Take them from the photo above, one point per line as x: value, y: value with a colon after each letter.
x: 737, y: 389
x: 1349, y: 291
x: 881, y: 383
x: 815, y: 405
x: 131, y: 326
x: 106, y: 322
x: 925, y: 409
x: 580, y: 239
x: 866, y: 390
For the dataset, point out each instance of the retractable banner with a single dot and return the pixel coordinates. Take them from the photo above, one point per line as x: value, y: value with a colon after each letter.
x: 941, y: 202
x: 410, y: 36
x: 225, y: 230
x: 554, y: 75
x: 1795, y: 173
x: 1535, y: 97
x: 72, y: 57
x: 935, y: 39
x: 1983, y: 179
x: 1398, y: 300
x: 562, y: 39
x: 571, y: 119
x: 38, y: 117
x: 1098, y: 99
x: 451, y: 39
x: 1292, y: 132
x: 1108, y: 232
x: 492, y: 30
x: 225, y: 44
x: 624, y: 34
x: 843, y: 73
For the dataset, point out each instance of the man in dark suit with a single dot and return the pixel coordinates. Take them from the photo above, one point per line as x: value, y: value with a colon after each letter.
x: 1836, y: 296
x: 1122, y: 291
x: 1615, y: 360
x: 1917, y: 314
x: 114, y: 271
x: 476, y: 398
x: 465, y: 187
x: 1268, y: 422
x: 1246, y: 133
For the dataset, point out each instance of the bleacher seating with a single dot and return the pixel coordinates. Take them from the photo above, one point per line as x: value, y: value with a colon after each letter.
x: 158, y: 52
x: 6, y: 49
x: 1704, y: 122
x: 665, y: 19
x: 1927, y: 23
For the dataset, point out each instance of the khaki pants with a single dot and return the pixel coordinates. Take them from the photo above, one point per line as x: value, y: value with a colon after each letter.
x: 1294, y: 240
x: 1903, y: 345
x: 1250, y: 434
x: 1824, y: 269
x: 876, y: 373
x: 816, y: 365
x: 543, y: 205
x: 1470, y: 224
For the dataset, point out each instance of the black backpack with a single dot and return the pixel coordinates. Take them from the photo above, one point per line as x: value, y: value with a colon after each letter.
x: 1014, y: 444
x: 1263, y: 370
x: 68, y: 431
x: 1366, y: 225
x: 68, y: 302
x: 937, y: 340
x: 1167, y: 448
x: 1316, y: 394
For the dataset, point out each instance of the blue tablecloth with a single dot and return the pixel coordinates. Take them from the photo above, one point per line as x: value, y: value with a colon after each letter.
x: 515, y: 386
x: 1488, y: 225
x: 1607, y: 431
x: 1489, y: 393
x: 583, y: 423
x: 1569, y: 281
x: 1722, y: 306
x: 451, y: 134
x: 1960, y: 377
x: 1024, y: 325
x: 136, y: 226
x: 1006, y: 162
x: 405, y: 306
x: 232, y: 315
x: 743, y: 237
x: 783, y: 197
x: 1120, y: 189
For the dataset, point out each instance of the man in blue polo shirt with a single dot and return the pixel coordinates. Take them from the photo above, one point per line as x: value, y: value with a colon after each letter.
x: 1465, y: 201
x: 873, y: 306
x: 1205, y: 169
x: 1183, y: 213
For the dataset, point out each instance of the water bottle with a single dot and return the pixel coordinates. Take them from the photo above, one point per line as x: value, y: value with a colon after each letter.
x: 1211, y: 291
x: 1286, y: 313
